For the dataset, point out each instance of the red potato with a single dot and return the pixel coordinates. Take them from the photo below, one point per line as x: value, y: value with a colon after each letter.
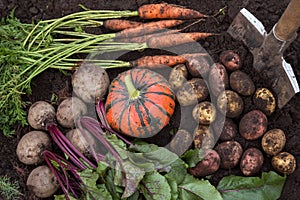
x: 241, y: 83
x: 230, y: 60
x: 253, y: 125
x: 251, y: 161
x: 225, y: 131
x: 218, y: 79
x: 199, y: 66
x: 230, y: 153
x: 209, y: 165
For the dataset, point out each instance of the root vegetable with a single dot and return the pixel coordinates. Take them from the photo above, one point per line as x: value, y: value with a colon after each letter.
x: 39, y: 114
x: 69, y: 110
x: 78, y: 140
x: 251, y: 161
x: 192, y: 92
x: 230, y: 60
x: 253, y: 125
x: 230, y: 153
x: 241, y: 83
x: 42, y: 182
x: 31, y: 147
x: 218, y: 79
x: 229, y: 103
x: 284, y: 162
x: 204, y: 137
x: 90, y: 83
x: 120, y: 24
x: 178, y: 76
x: 209, y: 165
x: 273, y: 141
x: 199, y: 66
x: 204, y: 113
x: 181, y: 142
x: 226, y: 132
x: 264, y: 100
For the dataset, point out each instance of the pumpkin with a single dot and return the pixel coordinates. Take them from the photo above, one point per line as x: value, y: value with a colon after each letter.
x: 140, y: 103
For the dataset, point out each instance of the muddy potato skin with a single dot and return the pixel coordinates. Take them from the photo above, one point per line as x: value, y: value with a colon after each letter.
x: 40, y: 113
x: 193, y: 91
x: 42, y: 182
x: 264, y: 100
x: 230, y: 60
x: 241, y: 83
x: 181, y: 142
x: 284, y: 162
x: 204, y: 137
x: 209, y: 165
x: 229, y: 103
x: 251, y: 161
x: 253, y: 125
x: 69, y: 110
x: 178, y: 76
x: 204, y: 113
x: 273, y: 141
x: 199, y: 66
x: 225, y: 131
x: 218, y: 79
x: 90, y: 83
x: 31, y: 147
x: 230, y: 153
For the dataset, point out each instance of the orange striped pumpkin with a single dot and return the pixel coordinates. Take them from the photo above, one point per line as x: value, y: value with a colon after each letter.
x: 140, y: 103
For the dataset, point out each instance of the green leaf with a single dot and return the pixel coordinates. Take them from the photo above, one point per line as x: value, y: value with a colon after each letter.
x: 63, y: 197
x: 114, y: 190
x: 177, y: 172
x: 193, y: 156
x: 193, y: 188
x: 155, y: 186
x: 174, y: 188
x: 268, y: 187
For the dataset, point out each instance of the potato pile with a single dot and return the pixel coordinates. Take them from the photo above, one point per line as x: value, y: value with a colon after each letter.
x: 216, y: 93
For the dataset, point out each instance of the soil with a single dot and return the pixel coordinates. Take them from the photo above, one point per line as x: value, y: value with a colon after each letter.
x: 53, y: 83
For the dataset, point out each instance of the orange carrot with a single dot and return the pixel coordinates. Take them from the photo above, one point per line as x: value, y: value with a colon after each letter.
x: 167, y: 11
x: 120, y: 24
x: 175, y: 39
x: 159, y: 61
x: 147, y: 28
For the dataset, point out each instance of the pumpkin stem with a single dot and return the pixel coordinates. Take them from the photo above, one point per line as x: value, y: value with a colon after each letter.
x: 132, y: 91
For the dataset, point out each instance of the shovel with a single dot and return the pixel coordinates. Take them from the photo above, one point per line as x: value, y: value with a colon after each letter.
x: 267, y: 49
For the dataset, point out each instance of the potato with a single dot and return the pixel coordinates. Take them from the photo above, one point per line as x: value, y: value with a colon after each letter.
x: 78, y: 140
x: 229, y: 103
x: 181, y: 142
x: 69, y: 110
x: 31, y: 147
x: 264, y: 100
x: 230, y: 60
x: 225, y: 131
x: 217, y: 79
x: 204, y: 137
x: 193, y: 91
x: 230, y: 153
x: 199, y: 66
x: 284, y: 162
x: 204, y: 113
x: 273, y: 141
x: 42, y: 182
x: 253, y: 125
x: 241, y: 83
x: 251, y: 161
x: 90, y: 83
x: 39, y: 114
x: 209, y: 165
x: 178, y: 76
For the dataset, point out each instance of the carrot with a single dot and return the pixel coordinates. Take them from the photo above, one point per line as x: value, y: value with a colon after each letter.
x: 120, y: 24
x: 147, y: 28
x: 175, y: 39
x: 159, y: 61
x: 167, y: 11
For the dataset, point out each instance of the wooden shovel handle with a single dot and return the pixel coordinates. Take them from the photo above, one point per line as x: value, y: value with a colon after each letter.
x: 289, y: 22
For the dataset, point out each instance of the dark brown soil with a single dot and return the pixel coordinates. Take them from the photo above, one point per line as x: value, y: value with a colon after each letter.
x: 52, y: 82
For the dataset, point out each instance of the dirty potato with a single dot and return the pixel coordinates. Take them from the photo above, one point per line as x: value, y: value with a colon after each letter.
x: 226, y: 130
x: 229, y: 103
x: 264, y: 100
x: 218, y: 79
x: 251, y: 161
x: 181, y: 142
x: 230, y: 60
x: 199, y: 66
x: 284, y: 162
x: 230, y: 153
x: 204, y: 137
x: 273, y: 141
x: 241, y: 83
x: 204, y: 113
x: 178, y: 76
x: 192, y: 92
